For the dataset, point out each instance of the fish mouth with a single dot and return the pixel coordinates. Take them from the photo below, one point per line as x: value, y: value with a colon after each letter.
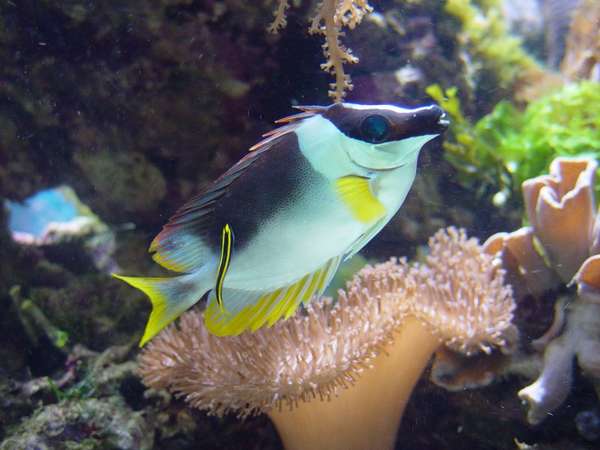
x: 439, y: 121
x: 443, y: 121
x: 428, y: 120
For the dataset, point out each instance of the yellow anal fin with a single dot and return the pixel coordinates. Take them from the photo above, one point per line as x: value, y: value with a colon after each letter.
x: 356, y: 194
x: 226, y: 247
x: 266, y: 304
x: 290, y: 301
x: 310, y: 288
x: 265, y: 309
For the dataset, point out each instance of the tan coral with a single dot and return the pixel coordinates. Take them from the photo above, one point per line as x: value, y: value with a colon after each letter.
x: 565, y: 230
x: 526, y: 268
x: 350, y: 13
x: 328, y: 21
x: 588, y: 279
x: 339, y: 376
x: 588, y: 289
x: 561, y: 209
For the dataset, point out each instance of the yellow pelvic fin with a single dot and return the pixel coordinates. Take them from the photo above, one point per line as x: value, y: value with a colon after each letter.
x: 226, y: 247
x: 157, y: 289
x: 356, y: 194
x: 267, y: 308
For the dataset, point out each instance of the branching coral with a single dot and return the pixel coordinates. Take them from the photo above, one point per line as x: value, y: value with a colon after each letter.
x: 561, y: 244
x: 330, y: 18
x: 280, y: 20
x: 339, y: 376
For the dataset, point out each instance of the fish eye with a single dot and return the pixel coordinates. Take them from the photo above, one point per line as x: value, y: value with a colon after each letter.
x: 375, y: 128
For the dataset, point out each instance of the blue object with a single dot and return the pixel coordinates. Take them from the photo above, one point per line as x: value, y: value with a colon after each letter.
x: 35, y: 213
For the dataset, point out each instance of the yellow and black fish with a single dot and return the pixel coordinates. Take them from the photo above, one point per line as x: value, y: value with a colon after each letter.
x: 270, y: 233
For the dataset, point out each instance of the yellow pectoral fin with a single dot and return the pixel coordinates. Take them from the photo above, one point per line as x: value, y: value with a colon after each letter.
x: 356, y: 194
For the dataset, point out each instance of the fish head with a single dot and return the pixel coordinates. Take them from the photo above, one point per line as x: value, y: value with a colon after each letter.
x: 383, y: 137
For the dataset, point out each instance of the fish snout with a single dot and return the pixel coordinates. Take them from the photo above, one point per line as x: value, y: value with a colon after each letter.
x: 432, y: 119
x: 443, y: 121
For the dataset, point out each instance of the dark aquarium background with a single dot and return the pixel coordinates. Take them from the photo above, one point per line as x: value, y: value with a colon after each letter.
x: 114, y: 113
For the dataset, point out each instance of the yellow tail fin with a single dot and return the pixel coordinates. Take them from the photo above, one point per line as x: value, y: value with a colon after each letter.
x: 169, y: 296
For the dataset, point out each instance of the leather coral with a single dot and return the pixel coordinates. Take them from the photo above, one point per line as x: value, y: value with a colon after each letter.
x: 340, y: 375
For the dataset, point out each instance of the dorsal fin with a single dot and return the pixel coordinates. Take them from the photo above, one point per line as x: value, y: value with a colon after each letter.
x: 290, y: 123
x: 307, y: 111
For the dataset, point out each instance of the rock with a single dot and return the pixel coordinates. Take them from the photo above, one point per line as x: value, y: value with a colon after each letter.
x: 87, y: 424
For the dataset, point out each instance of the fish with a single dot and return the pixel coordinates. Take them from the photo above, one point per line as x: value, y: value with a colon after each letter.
x: 269, y: 234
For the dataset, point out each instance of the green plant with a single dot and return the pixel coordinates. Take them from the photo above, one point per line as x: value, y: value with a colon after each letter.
x: 82, y: 389
x: 509, y: 146
x: 479, y: 166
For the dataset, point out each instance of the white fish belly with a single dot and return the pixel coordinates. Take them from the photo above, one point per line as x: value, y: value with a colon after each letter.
x: 295, y: 242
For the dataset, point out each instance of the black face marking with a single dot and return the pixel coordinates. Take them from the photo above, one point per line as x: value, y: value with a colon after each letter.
x: 377, y: 125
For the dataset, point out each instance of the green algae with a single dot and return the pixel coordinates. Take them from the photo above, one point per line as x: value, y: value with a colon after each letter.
x: 34, y: 321
x: 490, y: 50
x: 509, y: 145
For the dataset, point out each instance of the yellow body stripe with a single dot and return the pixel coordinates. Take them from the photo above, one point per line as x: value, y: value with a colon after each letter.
x: 356, y: 194
x: 301, y: 298
x: 226, y: 246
